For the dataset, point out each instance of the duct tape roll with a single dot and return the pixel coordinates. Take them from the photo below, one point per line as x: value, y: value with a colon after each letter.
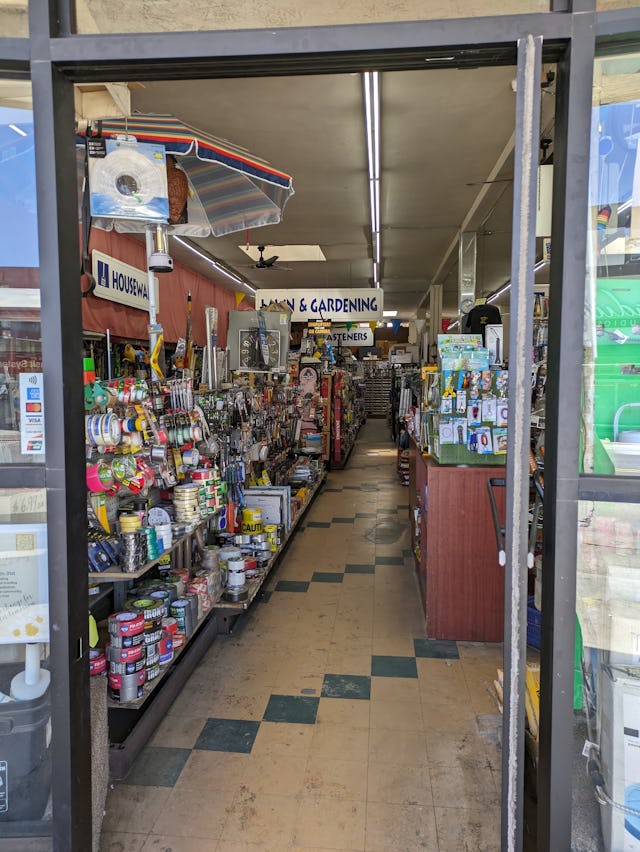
x: 166, y: 658
x: 127, y: 641
x: 165, y: 646
x: 170, y: 625
x: 126, y: 668
x: 97, y: 662
x: 126, y: 687
x: 163, y: 596
x: 124, y: 655
x: 153, y: 653
x: 259, y: 538
x: 153, y: 625
x: 153, y: 638
x: 181, y: 611
x: 194, y: 604
x: 152, y: 672
x: 149, y: 608
x: 235, y: 573
x: 126, y: 624
x: 171, y: 591
x: 179, y: 639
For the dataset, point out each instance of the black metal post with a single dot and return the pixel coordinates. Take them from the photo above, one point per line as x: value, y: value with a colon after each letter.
x: 521, y: 310
x: 53, y: 107
x: 567, y: 293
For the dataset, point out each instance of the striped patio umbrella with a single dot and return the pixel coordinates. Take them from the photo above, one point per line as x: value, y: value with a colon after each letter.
x: 229, y: 189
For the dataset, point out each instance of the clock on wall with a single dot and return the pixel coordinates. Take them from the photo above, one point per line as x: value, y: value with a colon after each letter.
x: 250, y: 355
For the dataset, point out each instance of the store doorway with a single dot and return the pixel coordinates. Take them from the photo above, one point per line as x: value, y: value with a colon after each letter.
x: 437, y: 178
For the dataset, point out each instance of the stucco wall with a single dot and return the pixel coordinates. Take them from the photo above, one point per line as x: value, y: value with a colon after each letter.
x: 167, y: 15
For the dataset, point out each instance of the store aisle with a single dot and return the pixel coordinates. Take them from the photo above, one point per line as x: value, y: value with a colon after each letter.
x: 326, y: 720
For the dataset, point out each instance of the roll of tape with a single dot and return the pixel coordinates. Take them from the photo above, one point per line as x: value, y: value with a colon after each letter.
x: 124, y: 655
x: 149, y: 608
x: 127, y: 641
x: 170, y: 625
x: 126, y: 623
x: 97, y: 661
x: 153, y: 638
x: 126, y: 668
x: 153, y: 653
x: 127, y: 681
x: 153, y: 671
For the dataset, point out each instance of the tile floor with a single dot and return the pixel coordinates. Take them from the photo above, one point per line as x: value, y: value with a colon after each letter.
x: 327, y: 720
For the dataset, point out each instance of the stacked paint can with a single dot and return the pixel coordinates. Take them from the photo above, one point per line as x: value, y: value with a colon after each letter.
x: 186, y: 501
x: 209, y: 493
x: 126, y: 633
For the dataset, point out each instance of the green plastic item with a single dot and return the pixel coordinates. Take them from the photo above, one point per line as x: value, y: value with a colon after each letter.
x: 577, y: 669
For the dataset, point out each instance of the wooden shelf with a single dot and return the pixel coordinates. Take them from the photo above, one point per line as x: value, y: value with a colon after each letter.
x: 121, y: 576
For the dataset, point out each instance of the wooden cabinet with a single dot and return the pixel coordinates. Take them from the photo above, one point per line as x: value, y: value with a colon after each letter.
x: 454, y: 544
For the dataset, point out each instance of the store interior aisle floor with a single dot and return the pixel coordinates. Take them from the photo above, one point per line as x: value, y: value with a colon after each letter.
x: 326, y: 720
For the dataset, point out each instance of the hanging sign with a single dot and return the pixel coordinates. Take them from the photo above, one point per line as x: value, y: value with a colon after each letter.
x: 119, y: 282
x: 342, y: 335
x: 318, y: 327
x: 355, y: 305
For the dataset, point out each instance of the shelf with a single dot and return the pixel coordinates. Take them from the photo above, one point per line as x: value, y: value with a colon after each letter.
x: 255, y: 585
x: 121, y: 576
x: 101, y: 595
x: 151, y: 686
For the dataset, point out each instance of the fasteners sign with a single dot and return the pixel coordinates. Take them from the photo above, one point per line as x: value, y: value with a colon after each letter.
x: 342, y: 336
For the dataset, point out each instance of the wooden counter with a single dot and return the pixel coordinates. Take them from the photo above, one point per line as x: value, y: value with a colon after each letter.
x: 455, y: 548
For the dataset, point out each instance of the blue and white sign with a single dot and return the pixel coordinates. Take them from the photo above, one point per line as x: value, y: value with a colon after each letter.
x: 352, y: 305
x: 119, y: 282
x: 343, y: 336
x: 31, y: 414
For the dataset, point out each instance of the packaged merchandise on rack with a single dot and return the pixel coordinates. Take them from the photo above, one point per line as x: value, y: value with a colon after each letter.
x: 465, y: 405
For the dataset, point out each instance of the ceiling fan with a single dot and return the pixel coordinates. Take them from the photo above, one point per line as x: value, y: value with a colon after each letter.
x: 267, y: 262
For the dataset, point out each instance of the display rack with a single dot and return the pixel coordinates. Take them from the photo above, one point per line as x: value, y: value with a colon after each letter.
x: 377, y: 377
x: 346, y: 419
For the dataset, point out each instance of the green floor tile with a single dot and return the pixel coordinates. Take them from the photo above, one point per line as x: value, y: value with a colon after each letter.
x: 358, y: 568
x: 439, y: 649
x: 236, y: 735
x: 389, y: 560
x: 346, y: 686
x: 292, y: 586
x: 393, y: 666
x: 327, y: 577
x: 156, y: 766
x: 294, y: 709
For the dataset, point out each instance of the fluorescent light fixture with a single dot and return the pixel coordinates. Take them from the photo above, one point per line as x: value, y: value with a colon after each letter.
x: 389, y: 313
x: 217, y: 266
x: 371, y: 81
x: 18, y: 130
x: 492, y: 298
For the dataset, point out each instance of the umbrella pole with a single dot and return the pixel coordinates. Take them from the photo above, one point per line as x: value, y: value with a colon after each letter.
x: 156, y: 337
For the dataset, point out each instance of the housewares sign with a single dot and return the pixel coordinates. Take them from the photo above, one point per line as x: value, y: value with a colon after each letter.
x: 119, y: 282
x: 353, y: 305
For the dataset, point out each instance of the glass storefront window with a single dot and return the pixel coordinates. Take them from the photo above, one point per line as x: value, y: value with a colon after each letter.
x: 14, y: 20
x: 607, y: 795
x: 21, y: 402
x: 611, y: 374
x: 25, y: 702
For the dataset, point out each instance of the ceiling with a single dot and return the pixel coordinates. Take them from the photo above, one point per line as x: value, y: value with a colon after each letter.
x: 443, y: 134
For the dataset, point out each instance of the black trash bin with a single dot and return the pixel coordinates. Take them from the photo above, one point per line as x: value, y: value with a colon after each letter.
x: 25, y: 754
